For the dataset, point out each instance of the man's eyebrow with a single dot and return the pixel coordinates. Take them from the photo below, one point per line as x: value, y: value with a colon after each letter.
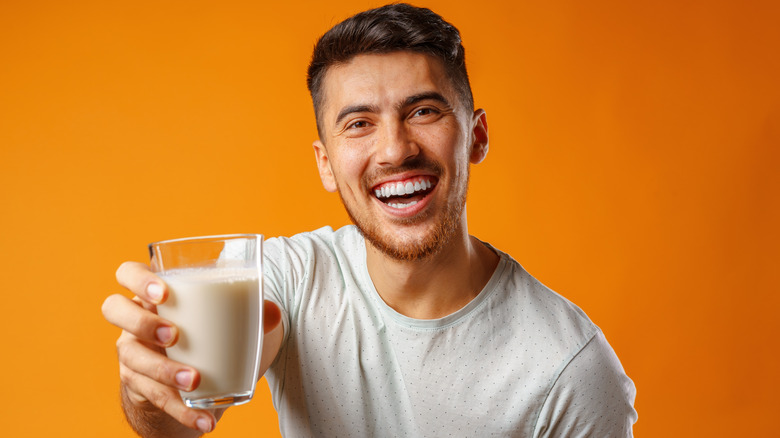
x: 430, y: 95
x: 409, y: 101
x: 354, y: 109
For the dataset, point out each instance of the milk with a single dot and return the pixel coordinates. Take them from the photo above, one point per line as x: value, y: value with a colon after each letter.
x: 219, y: 314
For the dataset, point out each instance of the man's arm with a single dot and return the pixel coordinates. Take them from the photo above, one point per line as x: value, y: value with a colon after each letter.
x: 149, y: 380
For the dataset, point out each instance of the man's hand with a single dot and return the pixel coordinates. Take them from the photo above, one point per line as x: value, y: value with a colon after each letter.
x: 149, y: 379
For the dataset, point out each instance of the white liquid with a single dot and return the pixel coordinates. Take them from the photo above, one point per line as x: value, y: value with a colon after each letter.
x: 218, y: 313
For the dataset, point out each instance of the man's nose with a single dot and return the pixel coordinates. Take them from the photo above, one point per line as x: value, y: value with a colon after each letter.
x: 396, y: 145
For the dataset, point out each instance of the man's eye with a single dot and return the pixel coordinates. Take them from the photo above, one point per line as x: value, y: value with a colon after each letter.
x: 359, y: 124
x: 424, y: 112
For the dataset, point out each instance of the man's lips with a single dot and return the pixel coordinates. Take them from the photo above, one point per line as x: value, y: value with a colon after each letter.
x: 405, y: 193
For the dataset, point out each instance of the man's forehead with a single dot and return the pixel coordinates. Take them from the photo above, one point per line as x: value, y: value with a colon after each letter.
x: 369, y: 78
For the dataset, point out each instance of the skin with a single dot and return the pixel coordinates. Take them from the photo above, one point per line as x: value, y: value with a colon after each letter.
x: 390, y: 117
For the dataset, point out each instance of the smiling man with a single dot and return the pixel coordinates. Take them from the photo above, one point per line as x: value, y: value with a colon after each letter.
x: 402, y: 325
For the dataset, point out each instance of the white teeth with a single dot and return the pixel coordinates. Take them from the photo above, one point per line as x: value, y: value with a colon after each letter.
x: 400, y: 205
x: 401, y: 189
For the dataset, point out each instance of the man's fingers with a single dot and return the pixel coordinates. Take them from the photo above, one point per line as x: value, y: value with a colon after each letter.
x: 137, y: 357
x: 139, y: 389
x: 138, y: 279
x: 133, y: 318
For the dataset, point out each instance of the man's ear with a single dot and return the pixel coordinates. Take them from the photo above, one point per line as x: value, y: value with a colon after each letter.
x: 323, y: 165
x: 479, y: 146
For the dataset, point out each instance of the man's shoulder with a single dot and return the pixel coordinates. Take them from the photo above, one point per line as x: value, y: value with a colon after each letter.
x: 344, y: 243
x: 321, y: 237
x: 537, y: 305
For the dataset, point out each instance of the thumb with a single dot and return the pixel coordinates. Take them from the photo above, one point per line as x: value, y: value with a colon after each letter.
x: 272, y: 316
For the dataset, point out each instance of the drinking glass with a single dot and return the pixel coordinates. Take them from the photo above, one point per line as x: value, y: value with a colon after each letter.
x: 216, y: 301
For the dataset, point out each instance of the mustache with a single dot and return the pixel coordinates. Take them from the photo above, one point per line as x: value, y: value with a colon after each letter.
x: 414, y: 164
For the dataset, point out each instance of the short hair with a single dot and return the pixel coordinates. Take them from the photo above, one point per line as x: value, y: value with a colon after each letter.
x: 390, y: 28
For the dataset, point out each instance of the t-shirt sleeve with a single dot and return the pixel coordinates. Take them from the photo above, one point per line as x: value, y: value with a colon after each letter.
x: 592, y: 397
x: 290, y: 270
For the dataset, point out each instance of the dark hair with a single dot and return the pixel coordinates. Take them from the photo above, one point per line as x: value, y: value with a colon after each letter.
x: 388, y: 29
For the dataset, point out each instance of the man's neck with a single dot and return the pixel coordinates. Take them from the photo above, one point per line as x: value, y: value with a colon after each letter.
x: 436, y: 286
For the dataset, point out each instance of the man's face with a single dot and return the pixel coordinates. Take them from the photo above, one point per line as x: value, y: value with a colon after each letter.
x: 397, y: 147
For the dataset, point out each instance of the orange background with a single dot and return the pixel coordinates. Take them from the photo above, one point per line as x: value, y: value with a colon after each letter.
x: 633, y: 168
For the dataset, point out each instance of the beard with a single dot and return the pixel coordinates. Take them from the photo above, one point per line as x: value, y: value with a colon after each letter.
x: 409, y: 247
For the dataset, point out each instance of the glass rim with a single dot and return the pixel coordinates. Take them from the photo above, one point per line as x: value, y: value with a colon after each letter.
x: 213, y: 237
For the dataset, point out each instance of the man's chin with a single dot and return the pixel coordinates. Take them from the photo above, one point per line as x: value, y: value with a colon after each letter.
x: 409, y: 242
x: 404, y: 251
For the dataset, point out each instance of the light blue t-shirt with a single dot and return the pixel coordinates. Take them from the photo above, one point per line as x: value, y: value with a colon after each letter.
x: 517, y: 361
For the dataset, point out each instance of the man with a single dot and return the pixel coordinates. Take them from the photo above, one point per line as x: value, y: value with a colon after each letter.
x: 402, y: 325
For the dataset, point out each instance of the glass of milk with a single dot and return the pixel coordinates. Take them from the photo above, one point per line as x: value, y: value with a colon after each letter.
x: 216, y: 301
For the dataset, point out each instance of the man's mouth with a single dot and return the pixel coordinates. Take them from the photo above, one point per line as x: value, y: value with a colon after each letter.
x: 405, y: 193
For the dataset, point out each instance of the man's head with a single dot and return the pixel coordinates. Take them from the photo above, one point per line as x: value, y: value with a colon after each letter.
x: 397, y: 128
x: 395, y: 27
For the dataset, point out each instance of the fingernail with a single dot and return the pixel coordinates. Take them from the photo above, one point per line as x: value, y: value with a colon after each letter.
x: 164, y: 334
x: 204, y: 425
x: 184, y: 379
x: 155, y: 292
